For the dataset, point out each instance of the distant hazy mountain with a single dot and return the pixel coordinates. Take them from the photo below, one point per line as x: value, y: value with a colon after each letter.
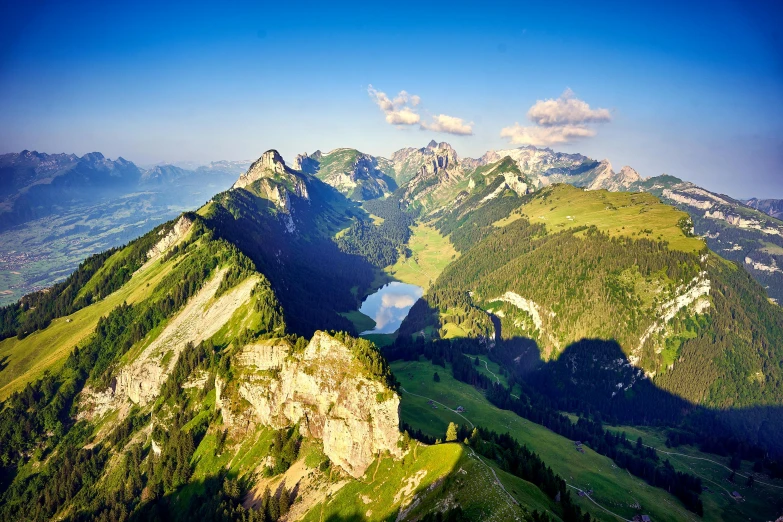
x: 773, y: 207
x: 36, y: 185
x: 55, y: 209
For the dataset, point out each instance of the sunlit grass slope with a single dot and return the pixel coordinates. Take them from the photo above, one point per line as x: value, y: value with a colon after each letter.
x: 634, y: 215
x: 47, y: 349
x: 430, y: 254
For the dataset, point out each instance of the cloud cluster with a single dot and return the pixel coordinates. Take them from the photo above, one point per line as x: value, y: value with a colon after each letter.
x: 449, y: 124
x: 557, y: 121
x: 403, y: 110
x: 399, y: 111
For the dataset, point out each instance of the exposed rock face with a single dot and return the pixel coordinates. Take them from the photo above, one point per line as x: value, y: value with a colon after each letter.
x: 757, y: 265
x: 141, y: 380
x: 307, y: 163
x: 771, y: 207
x: 607, y: 179
x: 327, y: 391
x: 694, y: 294
x: 687, y: 200
x: 438, y: 167
x: 408, y: 162
x: 276, y: 181
x: 628, y: 176
x: 181, y: 228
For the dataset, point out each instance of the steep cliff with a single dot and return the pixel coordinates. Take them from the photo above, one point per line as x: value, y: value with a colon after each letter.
x: 325, y: 388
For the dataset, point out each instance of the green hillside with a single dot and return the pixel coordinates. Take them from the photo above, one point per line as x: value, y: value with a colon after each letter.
x: 356, y: 175
x: 613, y: 488
x: 211, y: 368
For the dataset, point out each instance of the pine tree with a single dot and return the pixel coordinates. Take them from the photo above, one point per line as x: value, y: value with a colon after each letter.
x: 285, y: 501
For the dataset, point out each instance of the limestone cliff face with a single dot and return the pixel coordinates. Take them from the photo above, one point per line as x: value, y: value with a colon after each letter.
x: 606, y: 178
x: 272, y: 170
x: 439, y: 170
x: 180, y: 229
x: 327, y: 391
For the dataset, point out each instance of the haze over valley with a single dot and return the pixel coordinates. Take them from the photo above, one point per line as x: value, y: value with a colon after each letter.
x: 507, y: 262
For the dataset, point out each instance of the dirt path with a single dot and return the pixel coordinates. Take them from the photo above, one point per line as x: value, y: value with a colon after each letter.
x: 436, y: 402
x: 714, y: 462
x: 493, y: 373
x: 596, y: 503
x: 478, y: 457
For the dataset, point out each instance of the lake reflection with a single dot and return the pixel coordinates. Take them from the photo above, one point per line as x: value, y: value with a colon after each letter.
x: 389, y: 305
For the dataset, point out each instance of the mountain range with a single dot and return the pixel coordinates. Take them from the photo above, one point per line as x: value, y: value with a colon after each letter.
x: 55, y: 209
x: 575, y: 323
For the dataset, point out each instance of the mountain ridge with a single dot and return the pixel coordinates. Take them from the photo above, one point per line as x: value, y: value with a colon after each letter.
x: 211, y: 345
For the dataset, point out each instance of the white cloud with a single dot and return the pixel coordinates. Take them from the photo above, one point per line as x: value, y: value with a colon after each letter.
x: 403, y: 116
x: 403, y: 110
x: 399, y: 111
x: 449, y: 124
x: 566, y: 110
x: 557, y: 121
x: 392, y: 300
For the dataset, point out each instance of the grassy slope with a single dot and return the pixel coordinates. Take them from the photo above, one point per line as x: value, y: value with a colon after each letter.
x: 376, y: 495
x: 760, y: 501
x: 337, y: 162
x: 613, y: 488
x: 430, y: 254
x: 47, y: 349
x: 615, y: 213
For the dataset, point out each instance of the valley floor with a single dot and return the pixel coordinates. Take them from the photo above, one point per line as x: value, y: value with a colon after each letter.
x: 430, y: 253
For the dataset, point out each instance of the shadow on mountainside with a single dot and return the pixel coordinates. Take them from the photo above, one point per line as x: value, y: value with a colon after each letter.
x: 594, y: 377
x: 313, y: 280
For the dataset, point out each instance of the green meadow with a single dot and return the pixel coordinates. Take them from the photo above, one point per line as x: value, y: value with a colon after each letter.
x: 635, y: 215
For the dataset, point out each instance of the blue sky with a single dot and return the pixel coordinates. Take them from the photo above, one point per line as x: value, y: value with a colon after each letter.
x: 694, y: 91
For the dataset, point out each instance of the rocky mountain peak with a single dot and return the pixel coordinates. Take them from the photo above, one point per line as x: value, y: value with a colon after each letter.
x: 629, y: 175
x: 93, y: 158
x: 270, y: 163
x: 272, y: 159
x: 278, y: 182
x: 443, y: 145
x: 308, y: 163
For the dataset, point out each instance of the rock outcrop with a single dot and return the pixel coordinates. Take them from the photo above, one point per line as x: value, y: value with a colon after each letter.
x: 607, y: 179
x: 307, y: 163
x: 180, y: 229
x: 324, y: 389
x: 277, y: 183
